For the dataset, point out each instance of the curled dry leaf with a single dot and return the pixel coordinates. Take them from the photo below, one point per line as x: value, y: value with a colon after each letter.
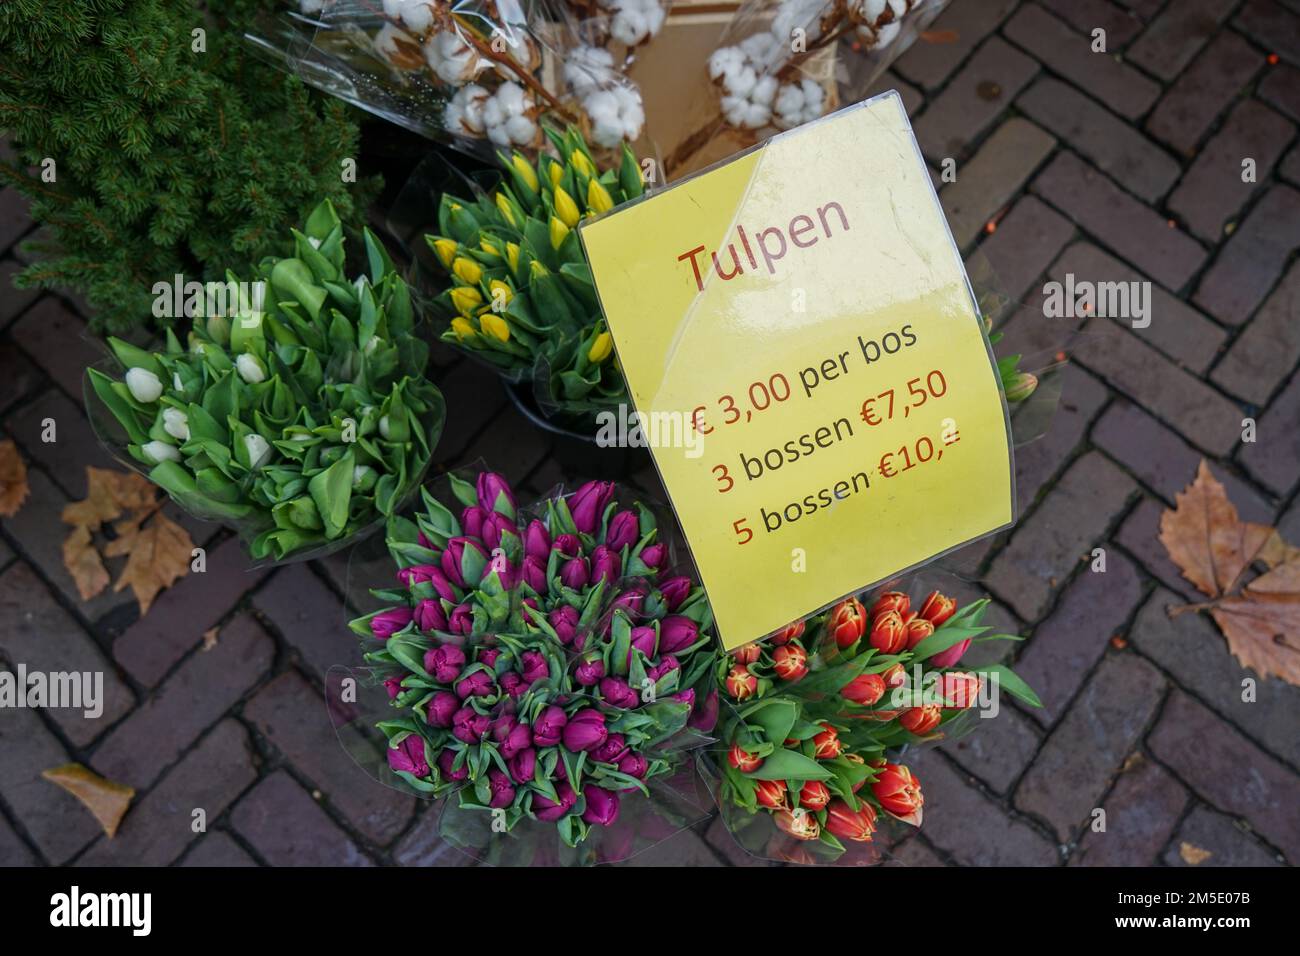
x: 1193, y: 855
x: 84, y: 563
x: 108, y: 801
x: 1216, y: 550
x: 13, y: 479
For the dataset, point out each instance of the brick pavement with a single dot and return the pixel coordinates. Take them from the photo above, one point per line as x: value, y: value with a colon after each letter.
x: 1120, y: 166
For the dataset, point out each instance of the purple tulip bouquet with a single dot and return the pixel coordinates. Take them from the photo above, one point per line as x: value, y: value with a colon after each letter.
x: 543, y: 668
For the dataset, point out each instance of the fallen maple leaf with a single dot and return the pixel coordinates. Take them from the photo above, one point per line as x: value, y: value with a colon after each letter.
x: 108, y: 494
x: 1192, y: 854
x: 13, y: 479
x: 156, y: 557
x: 108, y: 801
x: 1215, y: 549
x: 84, y: 563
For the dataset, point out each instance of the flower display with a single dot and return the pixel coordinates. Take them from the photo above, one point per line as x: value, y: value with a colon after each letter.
x: 518, y: 291
x: 543, y: 664
x: 297, y: 410
x: 811, y: 759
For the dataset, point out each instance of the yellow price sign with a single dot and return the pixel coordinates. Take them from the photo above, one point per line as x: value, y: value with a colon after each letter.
x: 802, y: 316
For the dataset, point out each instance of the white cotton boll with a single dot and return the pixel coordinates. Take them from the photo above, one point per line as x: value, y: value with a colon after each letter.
x: 789, y: 102
x: 764, y: 91
x: 505, y: 116
x: 418, y: 15
x: 258, y: 449
x: 520, y: 130
x: 464, y: 114
x: 797, y: 15
x: 454, y: 60
x: 512, y: 98
x: 176, y: 423
x: 886, y: 35
x: 159, y: 452
x: 814, y: 97
x: 397, y: 48
x: 899, y: 7
x: 725, y: 60
x: 143, y: 385
x: 250, y: 369
x: 393, y: 8
x: 615, y: 115
x: 740, y: 82
x: 872, y: 9
x: 764, y: 50
x: 587, y: 69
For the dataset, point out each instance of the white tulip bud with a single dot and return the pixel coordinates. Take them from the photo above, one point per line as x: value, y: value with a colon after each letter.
x: 176, y: 382
x: 250, y: 369
x: 359, y: 474
x: 160, y: 451
x: 176, y: 423
x: 258, y: 449
x: 143, y: 385
x: 383, y: 427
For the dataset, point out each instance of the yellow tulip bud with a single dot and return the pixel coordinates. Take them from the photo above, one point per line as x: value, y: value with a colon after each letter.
x: 445, y: 249
x: 559, y: 231
x: 501, y: 294
x: 598, y: 197
x: 467, y: 270
x: 503, y: 204
x: 462, y: 329
x: 489, y: 248
x: 512, y: 255
x: 538, y: 269
x: 554, y: 172
x: 581, y: 163
x: 525, y: 170
x: 566, y: 208
x: 495, y: 326
x: 600, y: 348
x: 465, y: 299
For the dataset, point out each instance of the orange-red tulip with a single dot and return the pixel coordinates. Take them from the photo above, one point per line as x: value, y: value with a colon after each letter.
x: 889, y: 633
x: 921, y: 720
x: 798, y: 823
x: 828, y: 743
x: 899, y: 793
x: 749, y: 654
x: 960, y: 689
x: 743, y: 760
x: 865, y: 689
x: 741, y: 684
x: 856, y: 825
x: 918, y: 629
x: 770, y: 793
x: 848, y: 622
x: 814, y: 795
x: 790, y: 662
x: 788, y: 633
x: 937, y: 608
x: 891, y: 601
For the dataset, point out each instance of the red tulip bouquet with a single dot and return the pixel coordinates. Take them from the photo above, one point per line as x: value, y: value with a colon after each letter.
x: 543, y: 669
x: 820, y: 713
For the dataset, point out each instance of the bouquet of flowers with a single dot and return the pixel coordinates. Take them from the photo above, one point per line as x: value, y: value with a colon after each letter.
x: 544, y: 669
x: 518, y: 290
x: 821, y: 712
x: 302, y: 421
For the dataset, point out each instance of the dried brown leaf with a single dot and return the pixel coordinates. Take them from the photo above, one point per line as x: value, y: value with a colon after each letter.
x: 1193, y: 855
x: 108, y: 801
x: 84, y: 563
x: 157, y: 555
x: 13, y: 479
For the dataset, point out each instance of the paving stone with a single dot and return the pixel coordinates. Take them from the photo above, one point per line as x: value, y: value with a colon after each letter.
x: 915, y: 853
x: 1176, y: 36
x: 1198, y: 412
x: 1140, y: 536
x: 1141, y: 812
x: 15, y: 219
x: 1273, y: 27
x: 1146, y: 9
x: 685, y: 848
x: 974, y: 99
x: 1046, y: 548
x: 13, y: 301
x: 423, y: 847
x: 1069, y: 643
x: 1274, y: 457
x: 1189, y: 107
x: 203, y: 688
x: 1228, y: 771
x: 1118, y: 85
x: 39, y: 633
x: 1164, y: 461
x: 719, y: 838
x: 218, y: 849
x: 1212, y: 191
x: 1182, y: 333
x: 1280, y: 88
x: 13, y: 851
x: 1191, y: 648
x: 1027, y: 239
x: 18, y: 376
x: 158, y: 828
x: 1228, y: 842
x: 56, y: 337
x: 287, y: 828
x: 292, y: 716
x: 998, y: 748
x: 889, y: 80
x: 178, y: 618
x: 74, y: 447
x: 929, y: 64
x: 1027, y: 331
x: 1084, y: 752
x: 1266, y: 352
x: 511, y: 445
x: 1115, y: 147
x: 971, y: 828
x: 311, y: 618
x: 1039, y: 461
x: 1006, y: 160
x: 1131, y: 229
x: 1253, y: 258
x: 474, y: 395
x: 57, y: 823
x: 1120, y: 25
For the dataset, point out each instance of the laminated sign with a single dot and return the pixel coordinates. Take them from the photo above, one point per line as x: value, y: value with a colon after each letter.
x: 809, y: 367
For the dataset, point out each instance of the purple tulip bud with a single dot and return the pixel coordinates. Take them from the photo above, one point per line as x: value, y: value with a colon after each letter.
x: 387, y: 623
x: 513, y: 684
x: 602, y: 806
x: 445, y: 761
x: 686, y: 697
x: 589, y: 670
x: 393, y: 685
x: 427, y: 574
x: 522, y: 765
x: 634, y: 765
x: 494, y: 494
x: 517, y: 739
x: 444, y: 662
x: 616, y: 693
x: 477, y: 684
x: 531, y: 602
x: 630, y: 602
x: 654, y: 555
x: 537, y: 541
x: 534, y: 574
x: 675, y: 591
x: 705, y: 716
x: 677, y: 633
x: 505, y: 571
x: 469, y: 725
x: 605, y: 565
x: 568, y: 545
x: 488, y: 656
x: 423, y: 540
x: 534, y: 666
x: 548, y: 728
x: 409, y: 756
x: 429, y: 616
x: 471, y: 520
x: 612, y: 750
x: 667, y: 664
x: 565, y: 621
x: 624, y: 529
x: 503, y: 794
x: 547, y: 810
x: 461, y: 620
x: 644, y: 640
x: 575, y: 573
x: 442, y: 708
x: 496, y: 528
x: 464, y: 561
x: 588, y: 505
x: 585, y: 730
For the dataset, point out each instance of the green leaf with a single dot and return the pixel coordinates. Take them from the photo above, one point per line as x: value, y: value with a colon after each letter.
x: 790, y: 765
x: 332, y: 492
x: 1014, y: 685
